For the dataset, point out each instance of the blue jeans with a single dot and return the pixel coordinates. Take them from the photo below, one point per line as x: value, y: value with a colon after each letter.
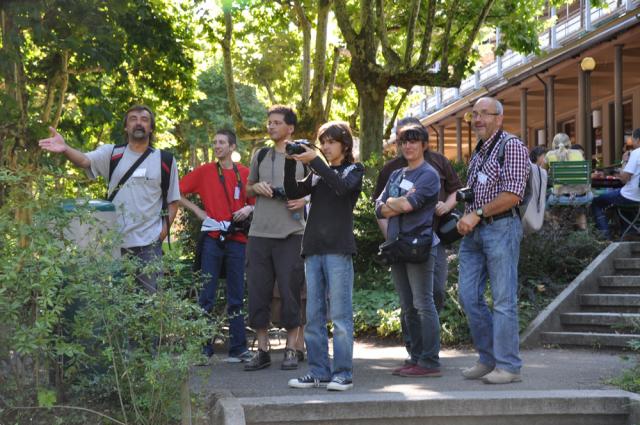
x: 604, y: 201
x: 492, y: 251
x: 329, y: 289
x: 414, y: 284
x: 440, y: 272
x: 214, y: 253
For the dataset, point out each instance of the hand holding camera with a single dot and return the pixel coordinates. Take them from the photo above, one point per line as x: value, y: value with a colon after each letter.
x: 301, y: 150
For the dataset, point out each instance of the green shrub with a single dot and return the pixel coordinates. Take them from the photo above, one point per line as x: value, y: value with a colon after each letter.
x: 75, y: 327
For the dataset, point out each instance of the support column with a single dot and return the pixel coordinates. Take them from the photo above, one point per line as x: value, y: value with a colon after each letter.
x: 584, y: 111
x: 441, y: 139
x: 588, y: 149
x: 551, y: 109
x: 636, y: 108
x: 553, y: 39
x: 499, y: 58
x: 580, y: 125
x: 587, y: 15
x: 617, y: 114
x: 459, y: 138
x: 524, y: 136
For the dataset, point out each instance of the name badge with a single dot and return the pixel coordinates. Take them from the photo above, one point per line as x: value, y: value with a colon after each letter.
x: 482, y: 178
x: 236, y: 193
x: 406, y: 184
x: 140, y: 172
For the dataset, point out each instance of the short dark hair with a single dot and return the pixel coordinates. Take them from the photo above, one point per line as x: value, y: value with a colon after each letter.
x: 231, y: 135
x: 414, y: 132
x: 340, y: 132
x: 636, y: 134
x: 290, y: 117
x: 536, y: 153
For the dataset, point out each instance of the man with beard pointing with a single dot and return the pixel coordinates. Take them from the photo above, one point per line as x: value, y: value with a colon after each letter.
x: 142, y: 184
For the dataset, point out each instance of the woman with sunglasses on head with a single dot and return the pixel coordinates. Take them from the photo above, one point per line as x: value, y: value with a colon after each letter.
x: 409, y: 201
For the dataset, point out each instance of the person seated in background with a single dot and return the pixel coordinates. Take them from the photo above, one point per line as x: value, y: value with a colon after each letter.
x: 629, y: 194
x: 626, y: 151
x: 574, y: 194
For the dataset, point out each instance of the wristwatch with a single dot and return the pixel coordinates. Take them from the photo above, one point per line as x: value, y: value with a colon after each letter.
x: 479, y: 212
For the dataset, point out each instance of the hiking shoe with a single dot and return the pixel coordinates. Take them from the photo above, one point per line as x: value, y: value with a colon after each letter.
x: 240, y: 358
x: 499, y: 376
x: 259, y: 361
x: 290, y: 361
x: 300, y: 355
x: 340, y: 383
x: 308, y: 381
x: 477, y: 371
x: 397, y: 371
x: 420, y: 372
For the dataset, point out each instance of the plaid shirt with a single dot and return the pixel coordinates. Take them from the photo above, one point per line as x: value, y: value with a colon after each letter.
x: 511, y: 177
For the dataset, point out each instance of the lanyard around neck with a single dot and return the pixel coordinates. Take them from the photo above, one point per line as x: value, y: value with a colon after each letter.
x: 224, y: 186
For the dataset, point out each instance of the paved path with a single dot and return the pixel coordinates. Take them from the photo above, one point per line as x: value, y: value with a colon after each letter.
x: 544, y: 369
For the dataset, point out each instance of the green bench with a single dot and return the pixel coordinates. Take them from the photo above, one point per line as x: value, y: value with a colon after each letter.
x: 570, y: 173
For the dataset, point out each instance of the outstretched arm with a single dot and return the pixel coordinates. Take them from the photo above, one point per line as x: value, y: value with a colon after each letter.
x: 56, y: 144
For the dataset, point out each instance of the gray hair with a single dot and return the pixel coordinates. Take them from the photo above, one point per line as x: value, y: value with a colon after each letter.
x: 496, y: 102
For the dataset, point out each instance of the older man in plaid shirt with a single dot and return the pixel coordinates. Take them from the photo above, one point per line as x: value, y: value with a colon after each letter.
x: 491, y: 246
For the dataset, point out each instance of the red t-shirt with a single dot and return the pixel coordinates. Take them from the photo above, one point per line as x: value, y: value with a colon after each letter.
x: 205, y: 181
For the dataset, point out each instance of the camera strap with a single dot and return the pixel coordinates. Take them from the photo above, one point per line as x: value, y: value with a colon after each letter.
x: 485, y: 158
x: 224, y: 185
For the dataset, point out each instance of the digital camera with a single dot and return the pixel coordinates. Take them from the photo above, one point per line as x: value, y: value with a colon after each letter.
x: 279, y: 193
x: 465, y: 195
x: 296, y: 147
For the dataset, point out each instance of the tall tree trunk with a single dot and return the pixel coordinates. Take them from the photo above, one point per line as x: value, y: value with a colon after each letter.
x: 332, y: 81
x: 371, y: 120
x: 319, y: 63
x: 225, y: 43
x: 305, y: 25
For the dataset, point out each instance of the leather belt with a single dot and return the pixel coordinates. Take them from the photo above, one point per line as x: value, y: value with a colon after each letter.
x: 513, y: 212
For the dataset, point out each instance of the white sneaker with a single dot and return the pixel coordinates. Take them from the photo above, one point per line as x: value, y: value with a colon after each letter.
x: 499, y: 376
x: 477, y: 371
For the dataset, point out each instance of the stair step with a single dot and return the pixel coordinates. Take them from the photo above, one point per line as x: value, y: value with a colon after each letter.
x: 617, y: 320
x: 629, y: 302
x: 590, y: 339
x: 593, y: 407
x: 629, y: 284
x: 627, y: 265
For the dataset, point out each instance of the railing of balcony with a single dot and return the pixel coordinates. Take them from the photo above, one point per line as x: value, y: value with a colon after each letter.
x: 566, y: 30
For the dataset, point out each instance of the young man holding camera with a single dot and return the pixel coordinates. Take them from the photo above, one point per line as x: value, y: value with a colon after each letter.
x: 273, y: 250
x: 491, y: 246
x: 222, y: 186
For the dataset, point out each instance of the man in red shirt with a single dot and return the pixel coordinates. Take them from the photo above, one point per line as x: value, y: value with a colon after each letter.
x: 221, y: 186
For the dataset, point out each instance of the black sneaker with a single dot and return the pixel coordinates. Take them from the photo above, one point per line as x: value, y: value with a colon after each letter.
x: 308, y: 381
x: 339, y: 383
x: 259, y: 361
x: 300, y: 355
x: 290, y: 361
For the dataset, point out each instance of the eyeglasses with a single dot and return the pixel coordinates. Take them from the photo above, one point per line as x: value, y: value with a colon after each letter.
x: 476, y: 114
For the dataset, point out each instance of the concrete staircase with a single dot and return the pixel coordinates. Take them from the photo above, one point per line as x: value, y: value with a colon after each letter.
x: 440, y: 408
x: 601, y: 307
